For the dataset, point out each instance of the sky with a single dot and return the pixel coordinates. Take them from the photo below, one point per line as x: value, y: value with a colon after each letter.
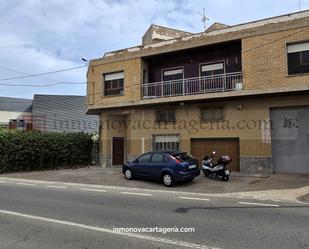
x: 41, y: 36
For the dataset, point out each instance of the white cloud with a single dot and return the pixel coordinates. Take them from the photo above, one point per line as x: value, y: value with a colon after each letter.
x: 38, y: 36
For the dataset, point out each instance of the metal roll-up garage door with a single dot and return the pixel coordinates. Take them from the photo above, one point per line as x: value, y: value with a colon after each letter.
x: 223, y: 146
x: 290, y: 139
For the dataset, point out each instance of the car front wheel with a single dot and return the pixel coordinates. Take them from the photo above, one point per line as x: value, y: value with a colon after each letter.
x: 167, y: 180
x: 128, y: 174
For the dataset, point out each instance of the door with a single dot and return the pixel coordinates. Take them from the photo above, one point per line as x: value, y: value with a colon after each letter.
x: 118, y: 150
x: 290, y: 139
x: 141, y: 165
x: 157, y: 163
x: 223, y: 146
x: 213, y: 76
x: 173, y: 79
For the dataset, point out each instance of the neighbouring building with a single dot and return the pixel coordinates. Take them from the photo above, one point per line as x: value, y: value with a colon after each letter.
x: 15, y: 113
x: 62, y: 113
x: 241, y: 90
x: 57, y: 113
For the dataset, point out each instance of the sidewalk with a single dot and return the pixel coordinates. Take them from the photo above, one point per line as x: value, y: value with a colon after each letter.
x: 279, y: 187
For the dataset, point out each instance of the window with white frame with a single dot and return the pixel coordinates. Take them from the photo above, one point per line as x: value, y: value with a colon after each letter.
x: 212, y: 69
x: 113, y: 83
x: 172, y: 74
x: 166, y: 142
x: 298, y: 58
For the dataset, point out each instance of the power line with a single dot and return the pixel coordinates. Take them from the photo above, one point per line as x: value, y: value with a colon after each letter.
x: 20, y: 72
x: 44, y: 85
x: 39, y: 74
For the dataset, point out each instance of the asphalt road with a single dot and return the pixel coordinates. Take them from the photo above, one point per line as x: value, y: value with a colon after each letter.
x: 38, y: 215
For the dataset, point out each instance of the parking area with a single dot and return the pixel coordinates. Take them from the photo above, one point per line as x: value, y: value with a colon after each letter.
x: 289, y: 187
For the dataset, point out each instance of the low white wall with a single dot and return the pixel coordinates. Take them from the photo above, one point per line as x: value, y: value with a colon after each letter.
x: 5, y: 116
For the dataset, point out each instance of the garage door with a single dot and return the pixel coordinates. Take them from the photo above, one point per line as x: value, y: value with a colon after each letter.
x: 290, y: 139
x: 223, y: 146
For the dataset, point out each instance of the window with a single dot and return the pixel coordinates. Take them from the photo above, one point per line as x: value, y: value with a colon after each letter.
x: 298, y: 58
x: 113, y: 83
x: 166, y: 142
x: 166, y: 116
x: 157, y: 158
x: 21, y: 125
x: 144, y: 158
x: 172, y: 74
x: 212, y: 69
x: 18, y: 124
x: 212, y: 114
x: 184, y: 157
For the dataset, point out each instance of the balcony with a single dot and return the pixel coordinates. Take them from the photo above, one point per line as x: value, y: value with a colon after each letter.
x: 193, y: 86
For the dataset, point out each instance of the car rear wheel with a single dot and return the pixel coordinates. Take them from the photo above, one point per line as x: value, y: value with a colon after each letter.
x: 128, y: 174
x: 167, y: 180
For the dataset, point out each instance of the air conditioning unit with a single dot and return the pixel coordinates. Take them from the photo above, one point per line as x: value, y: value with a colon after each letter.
x: 238, y: 86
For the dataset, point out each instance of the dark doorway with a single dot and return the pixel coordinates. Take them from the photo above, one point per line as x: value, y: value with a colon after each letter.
x: 118, y: 150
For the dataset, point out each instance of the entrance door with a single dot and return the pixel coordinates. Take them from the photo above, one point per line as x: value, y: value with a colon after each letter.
x: 118, y: 150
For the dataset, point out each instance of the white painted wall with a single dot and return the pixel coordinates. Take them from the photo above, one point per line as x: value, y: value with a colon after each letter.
x: 5, y: 116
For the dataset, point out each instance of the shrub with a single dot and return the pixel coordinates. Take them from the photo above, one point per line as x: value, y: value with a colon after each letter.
x: 32, y: 150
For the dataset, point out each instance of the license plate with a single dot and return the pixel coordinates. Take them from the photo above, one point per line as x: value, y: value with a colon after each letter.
x: 227, y: 172
x: 192, y: 166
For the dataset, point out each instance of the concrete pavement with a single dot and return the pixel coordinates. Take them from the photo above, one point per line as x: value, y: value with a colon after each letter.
x: 39, y: 214
x: 284, y: 187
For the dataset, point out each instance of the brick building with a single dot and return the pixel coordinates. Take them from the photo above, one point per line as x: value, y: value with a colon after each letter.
x: 241, y: 90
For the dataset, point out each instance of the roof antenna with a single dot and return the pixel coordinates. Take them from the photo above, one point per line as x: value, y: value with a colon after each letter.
x: 204, y: 18
x: 299, y: 5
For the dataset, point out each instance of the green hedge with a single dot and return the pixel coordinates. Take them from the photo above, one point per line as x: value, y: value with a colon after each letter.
x: 31, y: 150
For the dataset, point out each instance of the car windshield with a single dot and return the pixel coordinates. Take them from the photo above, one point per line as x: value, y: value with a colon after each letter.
x: 183, y: 157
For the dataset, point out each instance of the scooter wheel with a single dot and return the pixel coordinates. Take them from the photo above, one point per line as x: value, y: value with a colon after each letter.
x: 225, y: 178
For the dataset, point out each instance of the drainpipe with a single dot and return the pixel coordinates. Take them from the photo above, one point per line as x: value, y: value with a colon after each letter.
x: 143, y: 145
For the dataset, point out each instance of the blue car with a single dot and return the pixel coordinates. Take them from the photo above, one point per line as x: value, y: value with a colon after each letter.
x: 166, y: 166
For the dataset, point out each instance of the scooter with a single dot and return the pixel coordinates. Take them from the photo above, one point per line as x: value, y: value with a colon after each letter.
x: 216, y: 170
